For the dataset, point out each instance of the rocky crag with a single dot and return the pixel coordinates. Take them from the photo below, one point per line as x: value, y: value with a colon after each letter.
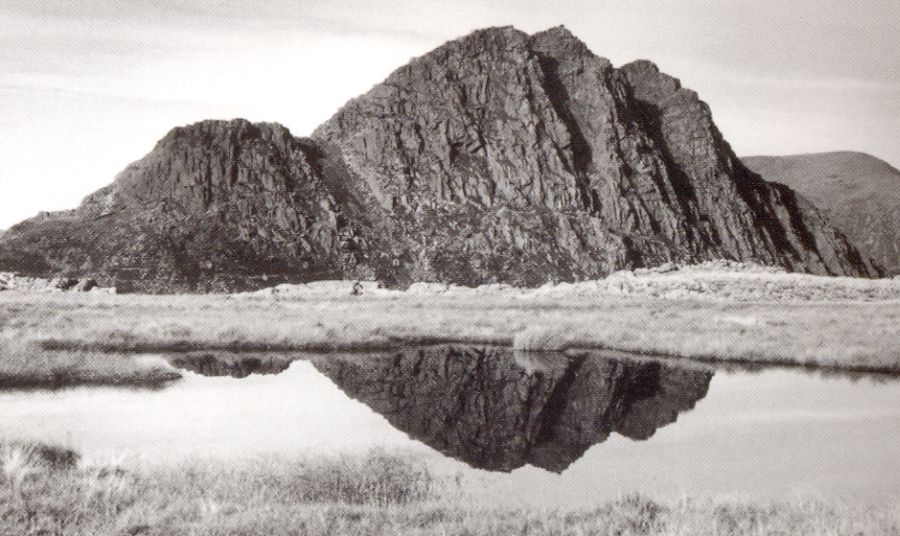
x: 498, y: 409
x: 500, y: 156
x: 859, y: 193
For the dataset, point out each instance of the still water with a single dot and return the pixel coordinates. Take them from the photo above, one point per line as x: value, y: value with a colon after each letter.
x: 517, y: 428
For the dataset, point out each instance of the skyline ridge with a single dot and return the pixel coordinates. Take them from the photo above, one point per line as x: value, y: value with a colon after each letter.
x: 109, y: 80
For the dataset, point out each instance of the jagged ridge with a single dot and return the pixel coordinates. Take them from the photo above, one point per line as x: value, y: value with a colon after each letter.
x: 496, y: 157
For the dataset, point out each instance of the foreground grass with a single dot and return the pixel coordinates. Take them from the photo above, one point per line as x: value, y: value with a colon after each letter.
x: 851, y: 335
x: 377, y: 494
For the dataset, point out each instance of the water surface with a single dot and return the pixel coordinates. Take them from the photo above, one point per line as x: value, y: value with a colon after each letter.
x: 540, y: 429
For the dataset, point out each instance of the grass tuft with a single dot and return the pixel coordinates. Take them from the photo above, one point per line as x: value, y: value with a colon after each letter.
x: 377, y: 494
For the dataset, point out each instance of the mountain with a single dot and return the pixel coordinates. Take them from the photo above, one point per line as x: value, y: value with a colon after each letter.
x: 496, y: 409
x: 859, y: 193
x: 499, y: 156
x: 216, y: 205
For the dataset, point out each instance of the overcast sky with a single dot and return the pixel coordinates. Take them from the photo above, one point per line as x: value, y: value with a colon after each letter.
x: 88, y: 86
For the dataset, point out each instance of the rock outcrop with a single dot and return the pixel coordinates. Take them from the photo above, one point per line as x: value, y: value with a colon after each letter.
x: 496, y: 157
x: 497, y: 409
x: 859, y: 193
x: 11, y: 281
x: 216, y: 205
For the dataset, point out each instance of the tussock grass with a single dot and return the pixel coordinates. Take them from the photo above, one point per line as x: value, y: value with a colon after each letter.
x: 377, y: 494
x: 540, y: 339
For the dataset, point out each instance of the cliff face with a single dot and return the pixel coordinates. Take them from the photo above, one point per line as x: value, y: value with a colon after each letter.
x: 497, y: 157
x: 498, y: 410
x: 533, y: 151
x: 216, y: 205
x: 859, y: 193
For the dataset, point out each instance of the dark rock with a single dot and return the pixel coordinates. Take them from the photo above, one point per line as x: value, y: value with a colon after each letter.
x: 46, y: 456
x: 56, y: 458
x: 64, y: 283
x: 498, y: 157
x: 497, y: 409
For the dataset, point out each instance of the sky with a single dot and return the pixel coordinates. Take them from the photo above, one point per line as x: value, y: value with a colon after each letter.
x: 88, y: 86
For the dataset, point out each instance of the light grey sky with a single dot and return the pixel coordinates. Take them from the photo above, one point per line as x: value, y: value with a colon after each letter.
x: 88, y: 86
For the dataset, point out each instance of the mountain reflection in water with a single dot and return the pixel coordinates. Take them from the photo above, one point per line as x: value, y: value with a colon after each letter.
x: 236, y: 365
x: 499, y: 409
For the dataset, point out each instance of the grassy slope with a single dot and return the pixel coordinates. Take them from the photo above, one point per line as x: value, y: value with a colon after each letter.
x: 378, y: 494
x: 758, y: 316
x: 860, y: 193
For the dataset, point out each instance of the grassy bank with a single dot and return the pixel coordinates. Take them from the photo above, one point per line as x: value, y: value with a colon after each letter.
x: 23, y: 365
x: 379, y: 494
x: 850, y: 335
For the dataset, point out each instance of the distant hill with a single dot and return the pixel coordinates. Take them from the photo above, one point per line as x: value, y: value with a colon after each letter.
x: 860, y: 194
x: 498, y: 157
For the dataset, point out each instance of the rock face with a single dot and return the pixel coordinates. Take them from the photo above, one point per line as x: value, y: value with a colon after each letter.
x: 498, y: 410
x: 859, y: 193
x: 497, y: 157
x: 216, y: 205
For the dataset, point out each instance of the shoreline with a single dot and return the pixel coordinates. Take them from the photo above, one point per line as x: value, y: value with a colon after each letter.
x: 854, y: 337
x: 407, y: 344
x: 709, y: 314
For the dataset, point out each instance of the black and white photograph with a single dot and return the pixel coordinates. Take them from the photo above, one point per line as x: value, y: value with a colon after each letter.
x: 468, y: 268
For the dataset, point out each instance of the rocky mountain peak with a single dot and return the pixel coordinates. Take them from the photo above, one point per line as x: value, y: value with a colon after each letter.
x: 235, y: 131
x: 559, y: 39
x: 649, y: 83
x: 206, y: 162
x: 498, y: 156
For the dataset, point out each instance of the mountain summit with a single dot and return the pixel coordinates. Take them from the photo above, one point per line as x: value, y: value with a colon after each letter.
x: 499, y: 156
